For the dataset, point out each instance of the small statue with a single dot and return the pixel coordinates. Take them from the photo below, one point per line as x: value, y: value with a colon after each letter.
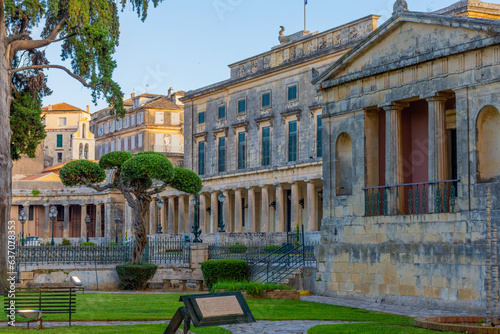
x: 282, y: 38
x: 315, y: 73
x: 400, y: 6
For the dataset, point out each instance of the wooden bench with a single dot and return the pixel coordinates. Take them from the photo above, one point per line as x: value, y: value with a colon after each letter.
x: 47, y: 300
x: 56, y: 285
x: 167, y: 284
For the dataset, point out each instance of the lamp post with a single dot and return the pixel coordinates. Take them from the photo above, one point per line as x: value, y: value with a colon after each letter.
x: 160, y: 204
x: 221, y: 198
x: 52, y: 216
x: 22, y: 219
x: 196, y: 226
x: 87, y: 222
x: 117, y: 220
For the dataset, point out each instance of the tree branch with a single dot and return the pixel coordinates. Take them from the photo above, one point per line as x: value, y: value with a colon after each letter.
x: 131, y: 202
x: 17, y: 37
x: 71, y: 74
x: 3, y: 33
x: 157, y: 190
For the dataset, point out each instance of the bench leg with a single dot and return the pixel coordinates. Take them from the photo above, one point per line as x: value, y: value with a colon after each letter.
x: 182, y: 285
x: 199, y: 285
x: 167, y: 285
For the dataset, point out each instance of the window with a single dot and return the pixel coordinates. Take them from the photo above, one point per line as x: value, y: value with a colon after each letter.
x: 201, y: 117
x: 113, y: 126
x: 59, y: 157
x: 292, y: 93
x: 59, y: 140
x: 106, y: 148
x: 222, y: 155
x: 106, y: 128
x: 241, y: 150
x: 132, y: 142
x: 139, y: 140
x: 30, y: 213
x: 100, y: 130
x: 127, y: 122
x: 176, y: 118
x: 100, y: 150
x: 117, y: 124
x: 242, y: 106
x: 266, y: 100
x: 159, y: 117
x: 266, y: 146
x: 125, y: 144
x: 132, y: 120
x: 112, y: 146
x: 222, y: 112
x: 62, y: 121
x: 119, y: 145
x: 201, y: 158
x: 120, y: 123
x: 319, y: 137
x: 292, y: 141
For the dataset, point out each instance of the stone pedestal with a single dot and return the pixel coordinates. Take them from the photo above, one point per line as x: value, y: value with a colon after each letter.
x: 199, y: 254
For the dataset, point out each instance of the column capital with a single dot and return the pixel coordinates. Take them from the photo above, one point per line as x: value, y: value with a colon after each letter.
x: 82, y: 205
x: 437, y: 97
x: 394, y: 105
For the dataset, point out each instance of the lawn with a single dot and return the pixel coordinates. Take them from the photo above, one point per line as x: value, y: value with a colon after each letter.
x: 374, y: 328
x: 118, y: 329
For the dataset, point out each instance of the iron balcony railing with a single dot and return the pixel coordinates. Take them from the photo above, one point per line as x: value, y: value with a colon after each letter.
x: 158, y: 250
x: 277, y: 267
x: 411, y: 198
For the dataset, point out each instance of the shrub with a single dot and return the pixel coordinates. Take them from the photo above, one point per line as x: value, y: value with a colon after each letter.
x: 74, y: 171
x: 224, y: 270
x: 252, y: 288
x: 66, y: 242
x: 186, y: 180
x: 35, y: 192
x: 48, y: 243
x: 114, y: 159
x: 135, y: 276
x: 114, y: 244
x: 238, y: 249
x: 271, y: 248
x: 87, y: 244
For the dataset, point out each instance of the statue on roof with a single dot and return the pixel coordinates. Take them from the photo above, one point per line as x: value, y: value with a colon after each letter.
x: 282, y: 38
x: 400, y: 6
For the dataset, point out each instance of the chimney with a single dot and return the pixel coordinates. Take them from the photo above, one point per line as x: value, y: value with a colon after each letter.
x: 170, y: 92
x: 88, y: 108
x: 133, y: 95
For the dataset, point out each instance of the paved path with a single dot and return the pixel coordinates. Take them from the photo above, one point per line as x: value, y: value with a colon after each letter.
x: 410, y: 311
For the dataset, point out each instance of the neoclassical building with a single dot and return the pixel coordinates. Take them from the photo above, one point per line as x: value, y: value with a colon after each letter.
x: 256, y: 138
x: 411, y: 125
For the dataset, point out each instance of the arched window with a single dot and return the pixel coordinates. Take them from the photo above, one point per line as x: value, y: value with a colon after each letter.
x: 86, y: 155
x: 80, y: 153
x: 488, y: 144
x: 343, y: 165
x: 83, y: 131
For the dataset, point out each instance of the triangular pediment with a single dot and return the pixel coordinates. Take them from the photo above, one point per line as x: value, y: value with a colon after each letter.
x: 409, y: 39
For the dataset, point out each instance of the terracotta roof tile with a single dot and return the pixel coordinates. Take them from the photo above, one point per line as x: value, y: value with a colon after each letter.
x: 61, y: 107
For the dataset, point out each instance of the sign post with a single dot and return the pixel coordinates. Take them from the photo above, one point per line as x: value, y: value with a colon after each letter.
x: 208, y: 310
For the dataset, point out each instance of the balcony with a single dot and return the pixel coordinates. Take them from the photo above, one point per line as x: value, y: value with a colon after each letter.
x: 411, y: 198
x: 168, y: 148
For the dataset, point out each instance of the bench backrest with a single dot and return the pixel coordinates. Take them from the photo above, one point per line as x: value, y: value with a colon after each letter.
x: 48, y: 300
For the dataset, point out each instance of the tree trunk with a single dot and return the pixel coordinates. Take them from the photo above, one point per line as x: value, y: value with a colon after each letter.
x: 5, y: 163
x: 140, y: 224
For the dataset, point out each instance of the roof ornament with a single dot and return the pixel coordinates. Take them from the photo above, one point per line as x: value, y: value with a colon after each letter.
x: 400, y: 7
x: 282, y: 38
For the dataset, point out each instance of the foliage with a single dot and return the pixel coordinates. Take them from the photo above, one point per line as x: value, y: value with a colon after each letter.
x: 135, y: 276
x: 78, y: 172
x: 26, y: 123
x: 35, y: 192
x: 66, y: 242
x: 238, y: 249
x: 114, y: 244
x: 271, y: 248
x: 252, y: 288
x: 48, y: 243
x: 224, y: 270
x: 114, y: 159
x: 186, y: 180
x: 87, y: 244
x: 140, y: 170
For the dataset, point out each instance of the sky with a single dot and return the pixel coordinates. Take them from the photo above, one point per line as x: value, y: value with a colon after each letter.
x: 188, y: 44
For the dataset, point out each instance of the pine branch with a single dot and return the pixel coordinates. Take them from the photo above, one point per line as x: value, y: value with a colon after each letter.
x: 60, y: 67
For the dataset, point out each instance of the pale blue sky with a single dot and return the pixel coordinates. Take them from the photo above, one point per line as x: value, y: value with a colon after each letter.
x: 188, y: 44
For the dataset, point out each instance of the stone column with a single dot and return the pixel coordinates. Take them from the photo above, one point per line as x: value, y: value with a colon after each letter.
x: 280, y: 209
x: 129, y: 221
x: 108, y: 220
x: 312, y: 217
x: 171, y: 215
x: 394, y: 154
x: 214, y: 212
x: 225, y: 212
x: 153, y: 217
x: 83, y: 225
x: 182, y: 212
x: 98, y: 219
x: 238, y: 211
x: 47, y: 223
x: 66, y: 221
x: 251, y: 225
x: 189, y: 227
x: 438, y: 145
x: 295, y: 205
x: 264, y: 216
x: 164, y: 210
x: 204, y: 225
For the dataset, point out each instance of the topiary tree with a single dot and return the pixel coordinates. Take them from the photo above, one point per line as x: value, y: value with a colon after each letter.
x: 138, y: 177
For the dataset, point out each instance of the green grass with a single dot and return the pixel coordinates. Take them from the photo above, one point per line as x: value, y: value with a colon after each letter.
x: 132, y: 329
x: 252, y: 288
x: 371, y: 329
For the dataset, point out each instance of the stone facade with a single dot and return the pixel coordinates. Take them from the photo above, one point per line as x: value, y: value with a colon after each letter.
x: 152, y: 123
x: 409, y: 117
x: 254, y: 138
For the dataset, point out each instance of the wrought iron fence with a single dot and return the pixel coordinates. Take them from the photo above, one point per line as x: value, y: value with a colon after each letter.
x: 249, y: 253
x: 159, y: 250
x: 412, y: 198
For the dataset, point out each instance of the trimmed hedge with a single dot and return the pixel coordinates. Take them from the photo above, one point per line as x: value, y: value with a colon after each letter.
x: 135, y: 276
x: 66, y: 242
x: 186, y: 180
x: 87, y: 244
x: 271, y: 248
x: 71, y: 174
x: 224, y: 270
x: 238, y: 249
x: 114, y: 159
